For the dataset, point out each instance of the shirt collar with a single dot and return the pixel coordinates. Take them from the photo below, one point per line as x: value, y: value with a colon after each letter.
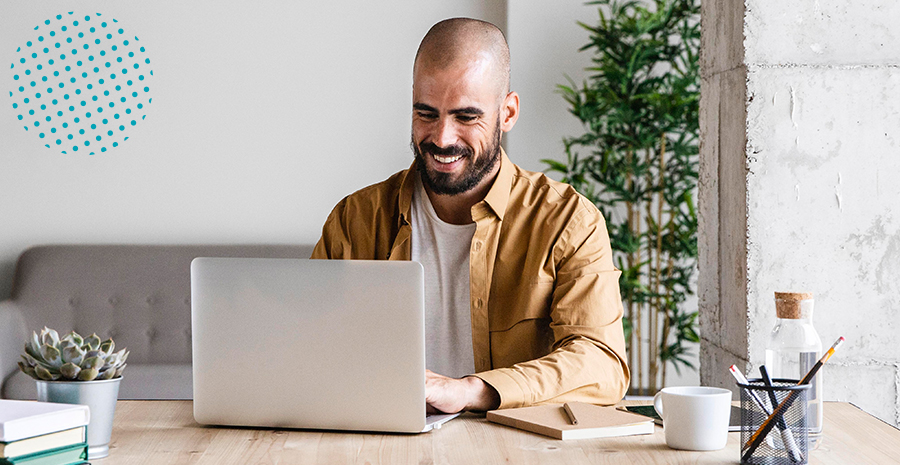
x: 497, y: 197
x: 407, y: 186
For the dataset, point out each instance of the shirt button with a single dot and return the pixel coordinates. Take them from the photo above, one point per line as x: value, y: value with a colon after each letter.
x: 479, y: 303
x: 477, y: 246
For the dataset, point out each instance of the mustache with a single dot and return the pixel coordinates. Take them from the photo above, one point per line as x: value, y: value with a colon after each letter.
x: 452, y: 150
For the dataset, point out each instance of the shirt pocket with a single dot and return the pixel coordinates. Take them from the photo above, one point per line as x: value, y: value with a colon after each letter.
x: 516, y: 304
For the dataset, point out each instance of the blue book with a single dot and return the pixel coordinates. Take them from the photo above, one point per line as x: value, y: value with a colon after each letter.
x: 62, y: 456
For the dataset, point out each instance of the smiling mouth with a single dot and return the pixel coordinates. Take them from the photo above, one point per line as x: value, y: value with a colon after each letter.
x: 446, y: 159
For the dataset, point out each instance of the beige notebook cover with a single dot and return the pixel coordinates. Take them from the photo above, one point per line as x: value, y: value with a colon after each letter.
x: 593, y: 421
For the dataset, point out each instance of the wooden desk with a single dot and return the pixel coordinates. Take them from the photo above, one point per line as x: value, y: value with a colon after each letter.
x: 164, y: 432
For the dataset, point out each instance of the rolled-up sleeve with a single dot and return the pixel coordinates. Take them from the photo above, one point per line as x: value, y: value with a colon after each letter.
x: 587, y: 361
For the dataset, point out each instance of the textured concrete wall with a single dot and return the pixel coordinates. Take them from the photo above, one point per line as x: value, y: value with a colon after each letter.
x: 822, y: 90
x: 722, y: 282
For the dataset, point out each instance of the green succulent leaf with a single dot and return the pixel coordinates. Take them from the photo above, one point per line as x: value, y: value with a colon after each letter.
x: 73, y: 353
x: 107, y: 374
x: 107, y: 346
x: 51, y: 355
x: 49, y: 336
x: 70, y: 371
x: 122, y: 355
x: 91, y: 362
x: 88, y: 374
x: 34, y: 345
x: 93, y: 341
x: 28, y: 370
x: 29, y: 360
x: 45, y: 374
x: 120, y: 370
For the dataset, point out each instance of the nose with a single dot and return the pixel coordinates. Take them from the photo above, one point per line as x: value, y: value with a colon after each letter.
x: 445, y: 133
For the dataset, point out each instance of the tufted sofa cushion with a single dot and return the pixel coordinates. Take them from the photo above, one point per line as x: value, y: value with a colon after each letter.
x: 137, y: 294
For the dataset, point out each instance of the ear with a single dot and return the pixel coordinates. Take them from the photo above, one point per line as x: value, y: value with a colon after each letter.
x: 509, y: 111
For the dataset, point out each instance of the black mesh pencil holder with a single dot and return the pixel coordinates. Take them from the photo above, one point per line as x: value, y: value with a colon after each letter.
x: 774, y: 428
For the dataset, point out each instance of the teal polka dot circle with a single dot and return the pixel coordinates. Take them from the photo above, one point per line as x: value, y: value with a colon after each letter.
x: 80, y: 83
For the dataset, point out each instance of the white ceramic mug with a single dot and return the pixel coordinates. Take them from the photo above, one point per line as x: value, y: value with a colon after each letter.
x: 694, y: 417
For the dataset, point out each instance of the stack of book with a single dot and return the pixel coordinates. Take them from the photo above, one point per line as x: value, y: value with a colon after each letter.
x: 42, y: 433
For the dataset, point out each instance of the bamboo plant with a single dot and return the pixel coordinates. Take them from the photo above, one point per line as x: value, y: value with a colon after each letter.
x: 637, y: 161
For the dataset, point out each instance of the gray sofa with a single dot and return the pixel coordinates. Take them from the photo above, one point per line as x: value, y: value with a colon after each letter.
x: 137, y: 294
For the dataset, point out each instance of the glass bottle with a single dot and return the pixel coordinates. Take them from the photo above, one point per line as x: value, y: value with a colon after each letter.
x: 793, y: 348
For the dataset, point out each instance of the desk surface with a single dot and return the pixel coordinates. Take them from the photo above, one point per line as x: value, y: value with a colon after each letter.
x: 164, y: 432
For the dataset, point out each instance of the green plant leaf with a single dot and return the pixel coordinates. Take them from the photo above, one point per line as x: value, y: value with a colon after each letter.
x: 93, y: 341
x: 88, y: 374
x: 51, y: 355
x: 70, y: 371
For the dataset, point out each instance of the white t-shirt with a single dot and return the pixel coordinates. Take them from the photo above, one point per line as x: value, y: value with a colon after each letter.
x: 443, y: 250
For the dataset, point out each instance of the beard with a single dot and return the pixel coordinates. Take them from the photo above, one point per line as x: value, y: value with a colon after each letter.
x: 474, y: 172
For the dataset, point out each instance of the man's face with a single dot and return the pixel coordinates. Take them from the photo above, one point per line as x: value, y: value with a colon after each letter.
x: 456, y: 126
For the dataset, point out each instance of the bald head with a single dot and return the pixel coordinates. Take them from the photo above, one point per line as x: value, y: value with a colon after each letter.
x: 461, y: 40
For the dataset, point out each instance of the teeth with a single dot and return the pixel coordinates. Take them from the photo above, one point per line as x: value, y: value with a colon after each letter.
x: 447, y: 159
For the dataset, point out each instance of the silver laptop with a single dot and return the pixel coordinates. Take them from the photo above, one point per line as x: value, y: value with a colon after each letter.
x: 321, y: 344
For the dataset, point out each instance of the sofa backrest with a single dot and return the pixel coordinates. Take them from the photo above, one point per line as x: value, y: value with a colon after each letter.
x: 137, y: 294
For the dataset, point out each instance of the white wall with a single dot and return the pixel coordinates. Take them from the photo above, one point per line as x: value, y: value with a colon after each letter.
x: 264, y: 115
x: 544, y: 40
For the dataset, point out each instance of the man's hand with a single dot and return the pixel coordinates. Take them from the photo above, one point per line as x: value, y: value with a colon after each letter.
x: 450, y: 395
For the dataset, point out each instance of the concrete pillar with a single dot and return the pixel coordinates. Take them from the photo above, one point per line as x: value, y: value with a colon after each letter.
x: 800, y: 116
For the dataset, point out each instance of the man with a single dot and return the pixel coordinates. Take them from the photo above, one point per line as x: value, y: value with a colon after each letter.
x: 521, y: 292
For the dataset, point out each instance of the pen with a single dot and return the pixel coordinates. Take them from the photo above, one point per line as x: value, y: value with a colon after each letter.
x: 570, y: 413
x: 786, y: 436
x: 767, y: 425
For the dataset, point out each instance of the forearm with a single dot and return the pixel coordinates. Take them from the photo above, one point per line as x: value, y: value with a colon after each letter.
x: 482, y: 396
x: 579, y: 370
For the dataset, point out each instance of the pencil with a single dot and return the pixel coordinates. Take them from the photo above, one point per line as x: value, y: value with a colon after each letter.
x: 767, y: 425
x: 570, y: 413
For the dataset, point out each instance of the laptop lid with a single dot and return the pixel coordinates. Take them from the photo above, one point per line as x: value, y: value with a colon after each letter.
x: 323, y: 344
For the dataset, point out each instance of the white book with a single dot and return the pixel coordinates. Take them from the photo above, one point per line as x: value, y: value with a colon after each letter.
x: 22, y: 419
x: 46, y: 442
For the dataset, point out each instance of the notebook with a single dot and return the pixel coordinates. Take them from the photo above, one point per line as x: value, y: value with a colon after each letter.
x: 43, y: 443
x: 320, y: 344
x: 22, y: 419
x: 593, y: 421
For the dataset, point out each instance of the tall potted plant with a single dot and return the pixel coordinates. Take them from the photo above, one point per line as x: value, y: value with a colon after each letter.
x: 637, y: 161
x: 77, y: 370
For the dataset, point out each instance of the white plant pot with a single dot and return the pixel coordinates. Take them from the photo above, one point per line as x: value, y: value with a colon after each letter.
x: 99, y: 396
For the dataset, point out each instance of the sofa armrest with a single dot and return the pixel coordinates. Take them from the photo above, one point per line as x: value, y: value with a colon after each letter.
x: 13, y: 335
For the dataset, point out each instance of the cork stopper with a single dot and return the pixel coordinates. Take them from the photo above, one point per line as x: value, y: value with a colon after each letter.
x: 787, y: 304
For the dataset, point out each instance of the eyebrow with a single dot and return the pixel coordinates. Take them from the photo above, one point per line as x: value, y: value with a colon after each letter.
x: 456, y: 111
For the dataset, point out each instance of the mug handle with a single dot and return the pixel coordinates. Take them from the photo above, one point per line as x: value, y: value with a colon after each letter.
x: 657, y: 405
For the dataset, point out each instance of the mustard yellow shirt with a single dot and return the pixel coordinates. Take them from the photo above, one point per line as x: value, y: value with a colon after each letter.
x: 546, y: 310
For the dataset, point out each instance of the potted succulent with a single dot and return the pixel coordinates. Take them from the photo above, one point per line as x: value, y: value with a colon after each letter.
x: 77, y: 370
